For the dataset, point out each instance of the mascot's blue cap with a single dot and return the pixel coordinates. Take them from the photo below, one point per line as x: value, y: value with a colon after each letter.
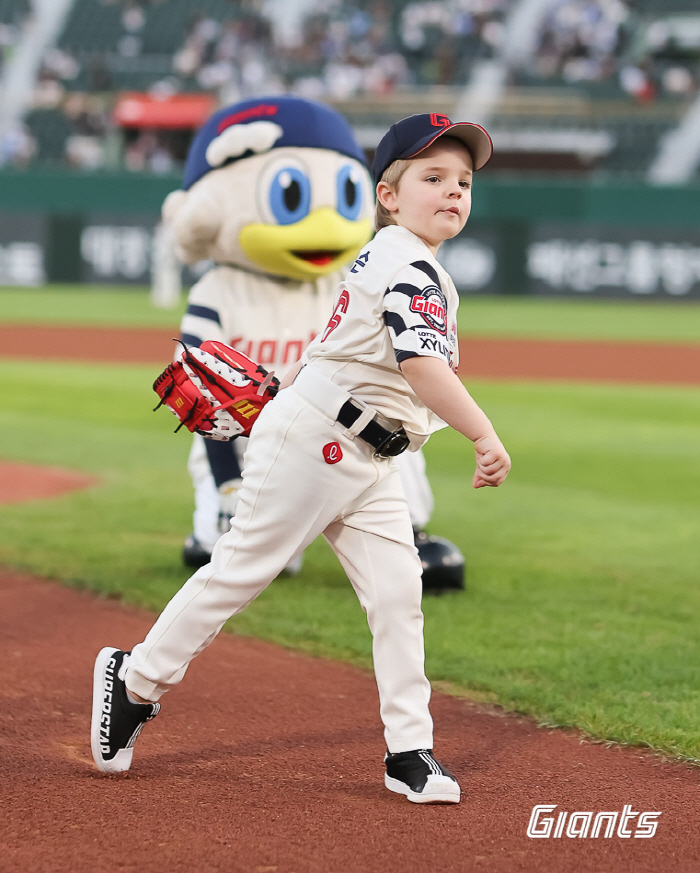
x: 305, y: 124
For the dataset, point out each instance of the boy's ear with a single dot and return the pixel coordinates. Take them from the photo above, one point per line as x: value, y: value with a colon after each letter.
x: 386, y: 196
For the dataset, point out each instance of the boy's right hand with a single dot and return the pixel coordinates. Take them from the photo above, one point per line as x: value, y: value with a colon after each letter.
x: 492, y: 462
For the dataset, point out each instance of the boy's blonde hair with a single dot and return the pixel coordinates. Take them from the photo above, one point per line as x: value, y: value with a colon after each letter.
x: 391, y: 176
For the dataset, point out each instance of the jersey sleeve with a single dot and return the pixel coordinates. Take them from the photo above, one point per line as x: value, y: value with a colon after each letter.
x: 415, y: 313
x: 202, y: 319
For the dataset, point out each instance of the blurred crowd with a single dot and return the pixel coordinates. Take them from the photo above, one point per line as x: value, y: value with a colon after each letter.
x: 342, y: 50
x: 606, y: 41
x: 17, y: 146
x: 580, y: 40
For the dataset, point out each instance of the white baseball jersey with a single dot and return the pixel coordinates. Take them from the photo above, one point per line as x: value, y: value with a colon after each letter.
x: 396, y: 302
x: 270, y: 319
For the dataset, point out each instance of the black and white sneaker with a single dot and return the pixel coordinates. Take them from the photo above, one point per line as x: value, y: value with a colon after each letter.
x: 420, y: 777
x: 116, y: 721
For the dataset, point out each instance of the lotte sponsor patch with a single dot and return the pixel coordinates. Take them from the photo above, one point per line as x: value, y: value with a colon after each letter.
x: 332, y: 453
x: 432, y: 306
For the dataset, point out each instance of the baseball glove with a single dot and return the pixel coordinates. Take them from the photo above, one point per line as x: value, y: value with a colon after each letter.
x: 215, y: 391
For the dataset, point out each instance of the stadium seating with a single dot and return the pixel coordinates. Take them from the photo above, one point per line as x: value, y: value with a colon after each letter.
x: 376, y: 63
x: 664, y: 7
x: 118, y: 51
x: 50, y: 129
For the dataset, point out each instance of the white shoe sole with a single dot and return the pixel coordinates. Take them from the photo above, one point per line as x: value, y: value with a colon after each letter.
x: 122, y: 760
x: 438, y: 789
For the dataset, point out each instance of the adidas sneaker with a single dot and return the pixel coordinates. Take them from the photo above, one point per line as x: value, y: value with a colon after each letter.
x: 116, y: 721
x: 420, y: 777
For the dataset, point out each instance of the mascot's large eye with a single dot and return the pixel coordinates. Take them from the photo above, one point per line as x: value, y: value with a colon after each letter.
x: 349, y: 185
x: 290, y: 195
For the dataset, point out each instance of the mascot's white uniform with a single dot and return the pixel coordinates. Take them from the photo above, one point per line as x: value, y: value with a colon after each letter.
x: 277, y: 195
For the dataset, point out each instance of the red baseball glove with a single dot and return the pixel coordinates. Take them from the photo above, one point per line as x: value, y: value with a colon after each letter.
x: 215, y: 391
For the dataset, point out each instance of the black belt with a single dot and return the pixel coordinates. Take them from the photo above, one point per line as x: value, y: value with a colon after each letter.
x: 386, y: 443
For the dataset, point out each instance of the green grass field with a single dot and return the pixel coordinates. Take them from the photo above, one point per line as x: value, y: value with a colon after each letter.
x: 582, y: 602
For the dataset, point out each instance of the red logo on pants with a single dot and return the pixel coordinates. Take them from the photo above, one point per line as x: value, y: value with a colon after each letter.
x: 332, y: 453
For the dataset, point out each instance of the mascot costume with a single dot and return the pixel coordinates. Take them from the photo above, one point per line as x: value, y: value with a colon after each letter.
x: 277, y: 195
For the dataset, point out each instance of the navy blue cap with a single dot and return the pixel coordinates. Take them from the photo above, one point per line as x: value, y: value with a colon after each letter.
x: 411, y: 135
x: 304, y: 123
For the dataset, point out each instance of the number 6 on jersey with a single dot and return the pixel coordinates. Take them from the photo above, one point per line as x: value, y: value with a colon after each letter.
x: 341, y: 307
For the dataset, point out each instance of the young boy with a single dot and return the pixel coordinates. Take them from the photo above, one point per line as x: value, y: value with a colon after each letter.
x: 379, y: 379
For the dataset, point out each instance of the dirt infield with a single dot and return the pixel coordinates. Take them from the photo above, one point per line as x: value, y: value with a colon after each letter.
x: 267, y: 761
x: 652, y: 363
x: 20, y: 482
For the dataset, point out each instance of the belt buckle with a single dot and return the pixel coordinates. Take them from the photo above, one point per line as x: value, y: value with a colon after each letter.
x: 396, y: 443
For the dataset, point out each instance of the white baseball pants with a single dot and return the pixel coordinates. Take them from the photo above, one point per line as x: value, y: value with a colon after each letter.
x: 205, y: 518
x: 290, y: 495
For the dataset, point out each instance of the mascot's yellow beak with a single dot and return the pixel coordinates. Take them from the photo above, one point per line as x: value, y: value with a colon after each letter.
x: 315, y: 246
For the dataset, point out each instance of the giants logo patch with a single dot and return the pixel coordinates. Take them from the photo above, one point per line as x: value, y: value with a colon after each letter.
x: 431, y: 304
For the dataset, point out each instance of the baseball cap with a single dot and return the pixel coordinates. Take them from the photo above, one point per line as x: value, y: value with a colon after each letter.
x: 303, y: 124
x: 411, y: 135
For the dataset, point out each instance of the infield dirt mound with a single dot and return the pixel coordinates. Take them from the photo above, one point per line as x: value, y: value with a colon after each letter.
x: 20, y: 482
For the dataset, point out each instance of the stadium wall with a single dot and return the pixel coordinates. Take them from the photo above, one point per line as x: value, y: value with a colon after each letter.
x: 525, y: 236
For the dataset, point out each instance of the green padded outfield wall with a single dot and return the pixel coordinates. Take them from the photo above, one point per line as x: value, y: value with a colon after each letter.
x: 525, y: 236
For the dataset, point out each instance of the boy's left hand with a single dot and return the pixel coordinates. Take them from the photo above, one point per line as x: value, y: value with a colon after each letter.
x: 492, y: 462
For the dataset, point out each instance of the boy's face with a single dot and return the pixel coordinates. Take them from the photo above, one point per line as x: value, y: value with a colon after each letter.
x: 433, y: 198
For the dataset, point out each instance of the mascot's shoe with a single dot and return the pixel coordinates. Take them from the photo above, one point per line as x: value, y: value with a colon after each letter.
x: 116, y: 721
x: 420, y: 777
x: 442, y: 562
x: 194, y: 554
x: 293, y: 568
